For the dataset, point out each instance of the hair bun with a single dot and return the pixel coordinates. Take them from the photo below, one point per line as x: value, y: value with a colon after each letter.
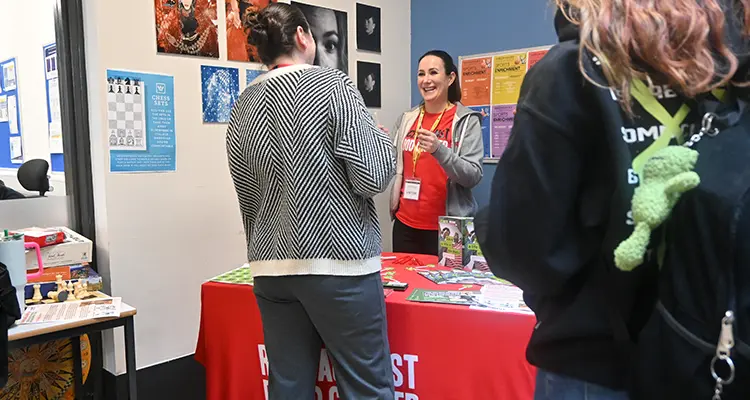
x: 258, y: 24
x: 273, y: 30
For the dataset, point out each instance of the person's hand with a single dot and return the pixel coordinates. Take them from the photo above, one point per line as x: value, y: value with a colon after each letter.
x: 384, y: 129
x: 428, y: 141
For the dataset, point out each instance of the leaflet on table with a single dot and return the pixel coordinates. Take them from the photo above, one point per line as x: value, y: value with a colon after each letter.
x: 493, y: 298
x: 72, y: 311
x: 502, y: 298
x: 465, y: 298
x: 463, y: 277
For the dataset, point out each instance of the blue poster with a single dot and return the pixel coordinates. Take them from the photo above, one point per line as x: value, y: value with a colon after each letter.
x: 140, y: 123
x: 251, y: 74
x: 221, y: 88
x: 11, y: 144
x: 486, y: 122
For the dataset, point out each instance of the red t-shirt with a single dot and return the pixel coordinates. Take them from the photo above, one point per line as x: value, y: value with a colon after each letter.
x: 424, y: 213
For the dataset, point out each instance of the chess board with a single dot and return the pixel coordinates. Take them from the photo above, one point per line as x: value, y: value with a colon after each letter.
x: 238, y: 276
x: 126, y: 114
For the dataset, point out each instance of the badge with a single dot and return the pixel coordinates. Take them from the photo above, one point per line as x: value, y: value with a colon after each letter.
x: 412, y: 188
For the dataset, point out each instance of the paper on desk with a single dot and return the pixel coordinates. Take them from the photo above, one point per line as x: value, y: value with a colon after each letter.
x: 502, y: 298
x: 72, y: 311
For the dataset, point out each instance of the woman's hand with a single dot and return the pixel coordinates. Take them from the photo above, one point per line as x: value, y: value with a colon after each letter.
x: 428, y: 141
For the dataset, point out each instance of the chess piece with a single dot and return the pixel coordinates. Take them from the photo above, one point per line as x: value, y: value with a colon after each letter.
x: 127, y: 81
x: 119, y: 89
x: 71, y: 296
x: 37, y: 297
x: 136, y: 90
x: 84, y: 291
x: 111, y: 89
x: 78, y: 288
x: 127, y: 89
x: 60, y: 283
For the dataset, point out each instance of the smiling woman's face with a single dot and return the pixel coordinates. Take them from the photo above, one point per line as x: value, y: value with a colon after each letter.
x: 327, y: 37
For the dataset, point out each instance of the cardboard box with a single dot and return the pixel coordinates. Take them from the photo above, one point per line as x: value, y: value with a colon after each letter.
x: 76, y: 249
x: 42, y: 236
x: 67, y: 272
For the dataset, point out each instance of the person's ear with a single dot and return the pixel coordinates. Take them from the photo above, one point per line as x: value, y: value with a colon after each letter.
x: 452, y: 78
x: 303, y: 39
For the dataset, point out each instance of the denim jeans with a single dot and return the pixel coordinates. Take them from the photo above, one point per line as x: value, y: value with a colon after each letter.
x: 551, y: 386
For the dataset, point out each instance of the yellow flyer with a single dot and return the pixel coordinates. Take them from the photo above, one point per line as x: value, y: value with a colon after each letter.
x: 510, y: 70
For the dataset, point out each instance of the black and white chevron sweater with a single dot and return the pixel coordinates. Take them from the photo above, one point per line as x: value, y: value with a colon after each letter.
x: 306, y: 159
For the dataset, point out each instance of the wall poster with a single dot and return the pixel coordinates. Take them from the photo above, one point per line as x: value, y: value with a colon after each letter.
x: 141, y: 123
x: 491, y: 84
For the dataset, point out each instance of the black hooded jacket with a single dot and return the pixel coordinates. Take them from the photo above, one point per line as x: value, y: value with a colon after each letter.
x: 560, y: 204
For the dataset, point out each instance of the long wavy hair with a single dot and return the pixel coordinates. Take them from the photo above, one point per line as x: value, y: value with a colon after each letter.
x: 678, y: 42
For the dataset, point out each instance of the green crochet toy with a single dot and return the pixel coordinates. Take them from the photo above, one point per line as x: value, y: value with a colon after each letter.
x: 666, y: 176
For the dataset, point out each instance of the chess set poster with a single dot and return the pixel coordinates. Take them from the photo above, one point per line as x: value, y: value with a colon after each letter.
x: 140, y: 122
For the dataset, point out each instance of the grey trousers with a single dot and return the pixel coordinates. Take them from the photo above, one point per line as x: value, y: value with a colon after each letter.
x: 347, y: 314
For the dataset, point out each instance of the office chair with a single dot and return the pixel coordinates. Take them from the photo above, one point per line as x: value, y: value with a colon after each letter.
x: 33, y: 176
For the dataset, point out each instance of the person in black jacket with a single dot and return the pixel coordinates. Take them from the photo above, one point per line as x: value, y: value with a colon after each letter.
x: 560, y: 197
x: 7, y: 193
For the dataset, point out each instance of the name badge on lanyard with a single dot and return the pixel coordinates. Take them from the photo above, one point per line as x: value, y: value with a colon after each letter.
x: 412, y: 188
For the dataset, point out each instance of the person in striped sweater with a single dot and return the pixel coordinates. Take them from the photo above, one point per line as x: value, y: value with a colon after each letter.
x: 306, y: 159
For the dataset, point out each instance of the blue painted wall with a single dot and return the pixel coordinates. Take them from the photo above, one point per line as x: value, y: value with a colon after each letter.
x: 474, y: 27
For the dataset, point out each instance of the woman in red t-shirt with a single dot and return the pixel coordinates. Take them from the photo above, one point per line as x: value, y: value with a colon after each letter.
x: 439, y: 158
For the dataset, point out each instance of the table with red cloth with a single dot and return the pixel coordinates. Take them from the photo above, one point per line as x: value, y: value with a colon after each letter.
x: 439, y: 351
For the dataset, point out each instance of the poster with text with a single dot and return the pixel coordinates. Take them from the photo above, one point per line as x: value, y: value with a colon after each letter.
x: 486, y: 124
x: 187, y: 27
x: 221, y: 88
x: 329, y: 28
x: 476, y: 81
x: 141, y: 122
x: 535, y: 56
x: 252, y: 74
x: 3, y: 108
x: 9, y: 76
x: 510, y: 70
x: 54, y: 117
x: 16, y: 150
x: 241, y: 18
x: 502, y: 123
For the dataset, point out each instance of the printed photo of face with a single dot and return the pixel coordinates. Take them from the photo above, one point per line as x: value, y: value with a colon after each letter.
x: 329, y: 29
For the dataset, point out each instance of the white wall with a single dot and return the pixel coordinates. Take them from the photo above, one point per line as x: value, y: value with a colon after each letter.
x: 160, y: 236
x: 28, y: 27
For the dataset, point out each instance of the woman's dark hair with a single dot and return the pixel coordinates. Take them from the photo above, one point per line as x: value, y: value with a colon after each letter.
x: 274, y: 29
x: 454, y: 91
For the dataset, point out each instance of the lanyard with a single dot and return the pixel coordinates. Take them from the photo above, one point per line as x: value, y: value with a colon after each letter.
x: 672, y: 128
x: 418, y: 151
x: 281, y: 66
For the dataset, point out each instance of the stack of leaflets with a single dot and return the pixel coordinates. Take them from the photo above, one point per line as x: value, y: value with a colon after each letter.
x: 463, y: 277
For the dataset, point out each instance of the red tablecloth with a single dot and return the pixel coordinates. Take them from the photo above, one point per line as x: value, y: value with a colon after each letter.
x: 440, y: 352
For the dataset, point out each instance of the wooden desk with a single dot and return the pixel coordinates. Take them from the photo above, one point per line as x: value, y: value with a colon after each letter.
x: 26, y: 335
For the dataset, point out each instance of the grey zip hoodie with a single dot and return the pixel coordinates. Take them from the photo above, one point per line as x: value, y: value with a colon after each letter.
x: 462, y: 163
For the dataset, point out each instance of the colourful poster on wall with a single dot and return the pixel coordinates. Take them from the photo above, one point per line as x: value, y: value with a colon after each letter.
x: 535, y: 56
x: 486, y: 123
x: 510, y: 70
x: 502, y: 123
x: 141, y: 122
x: 476, y: 81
